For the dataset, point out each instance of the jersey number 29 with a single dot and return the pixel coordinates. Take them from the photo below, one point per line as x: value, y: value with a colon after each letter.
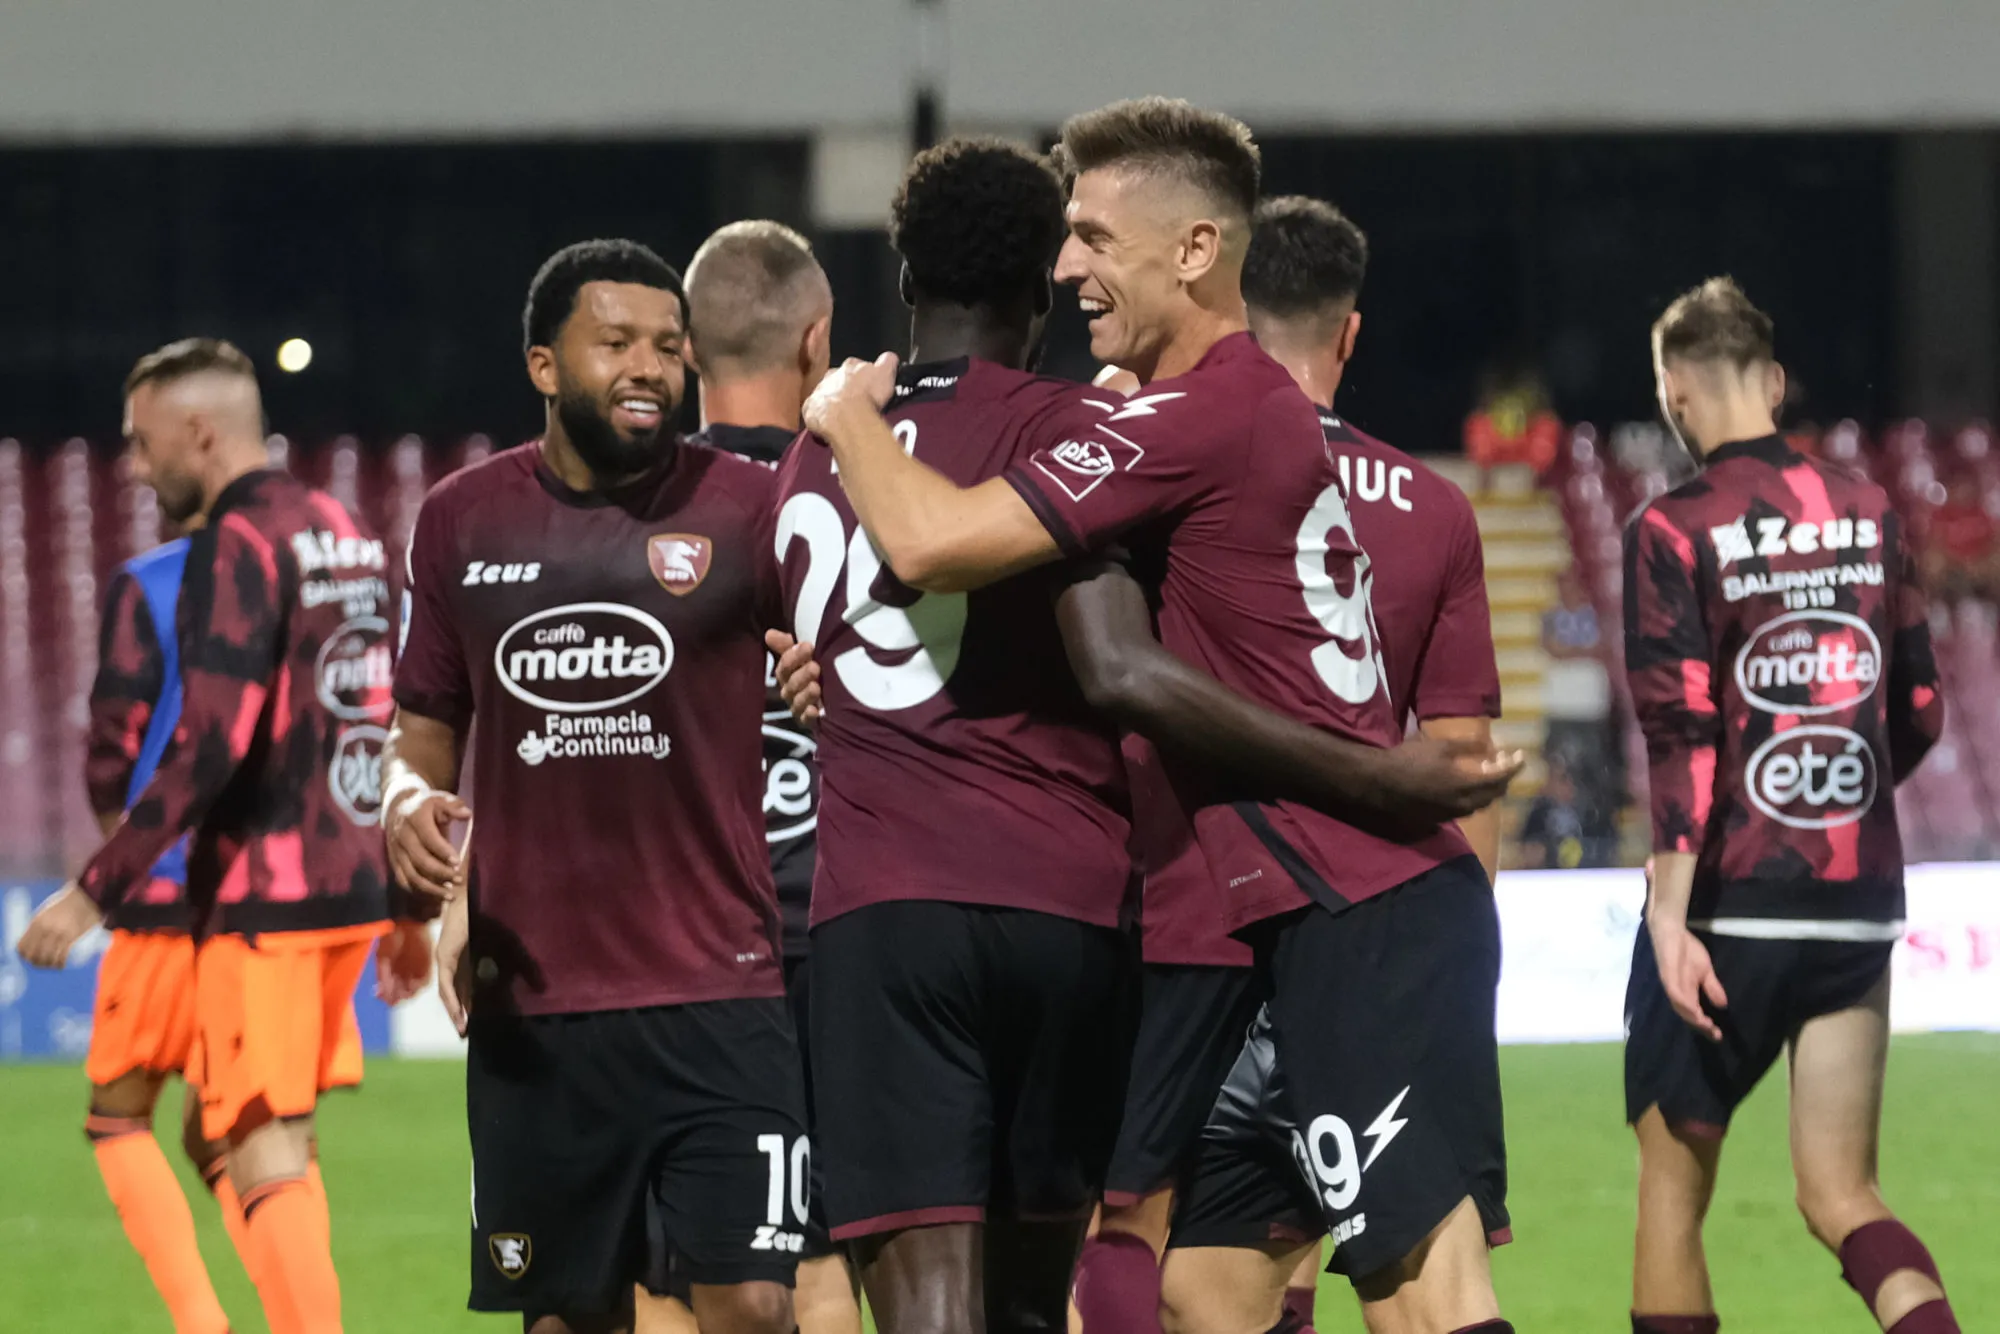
x: 933, y: 625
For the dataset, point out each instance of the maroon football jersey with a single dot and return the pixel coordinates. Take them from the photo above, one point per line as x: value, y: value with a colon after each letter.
x: 285, y: 657
x: 1266, y: 589
x: 1778, y: 647
x: 606, y: 649
x: 1182, y: 911
x: 1429, y: 584
x: 958, y: 760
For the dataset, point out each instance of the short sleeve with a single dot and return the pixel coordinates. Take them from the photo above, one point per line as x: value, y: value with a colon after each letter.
x: 1090, y: 475
x: 1459, y: 677
x: 431, y: 674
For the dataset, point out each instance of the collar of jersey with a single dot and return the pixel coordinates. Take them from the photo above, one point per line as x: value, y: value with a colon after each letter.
x: 910, y: 378
x: 1769, y: 448
x: 765, y: 444
x: 624, y: 493
x: 239, y: 491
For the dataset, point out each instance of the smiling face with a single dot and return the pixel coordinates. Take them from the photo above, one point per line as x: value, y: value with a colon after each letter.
x: 616, y: 373
x: 1124, y: 255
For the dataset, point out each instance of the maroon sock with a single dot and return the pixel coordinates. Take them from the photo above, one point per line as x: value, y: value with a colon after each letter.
x: 1118, y: 1285
x: 1873, y: 1252
x: 1675, y: 1324
x: 1933, y: 1317
x: 1486, y: 1327
x: 1299, y: 1309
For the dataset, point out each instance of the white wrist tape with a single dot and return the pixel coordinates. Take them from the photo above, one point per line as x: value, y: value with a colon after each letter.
x: 403, y: 786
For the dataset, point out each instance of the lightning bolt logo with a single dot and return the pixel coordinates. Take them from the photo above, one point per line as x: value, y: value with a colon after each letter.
x: 1385, y: 1127
x: 1143, y: 405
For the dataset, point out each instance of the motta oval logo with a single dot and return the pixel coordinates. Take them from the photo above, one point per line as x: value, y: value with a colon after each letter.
x: 356, y: 669
x: 583, y: 657
x: 1812, y: 777
x: 1809, y: 662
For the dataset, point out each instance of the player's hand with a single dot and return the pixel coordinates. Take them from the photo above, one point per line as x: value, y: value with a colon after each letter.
x: 798, y: 675
x: 63, y: 919
x: 402, y: 962
x: 1445, y: 778
x: 454, y: 962
x: 855, y: 384
x: 417, y: 827
x: 1688, y: 975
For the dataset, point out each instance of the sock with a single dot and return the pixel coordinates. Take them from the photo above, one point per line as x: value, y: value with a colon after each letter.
x: 1675, y: 1324
x: 1875, y: 1251
x: 1486, y: 1327
x: 1118, y: 1285
x: 294, y: 1256
x: 281, y: 1320
x: 1298, y: 1313
x: 317, y: 1184
x: 1933, y: 1317
x: 157, y: 1221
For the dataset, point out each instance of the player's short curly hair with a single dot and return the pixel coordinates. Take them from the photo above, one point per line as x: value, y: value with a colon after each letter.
x: 1305, y: 255
x: 1212, y: 152
x: 977, y: 221
x: 552, y: 294
x: 1714, y: 322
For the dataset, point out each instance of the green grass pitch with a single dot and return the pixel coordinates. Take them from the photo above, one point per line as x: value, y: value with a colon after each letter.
x: 396, y: 1169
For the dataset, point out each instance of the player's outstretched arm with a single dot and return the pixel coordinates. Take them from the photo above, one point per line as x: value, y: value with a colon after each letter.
x: 936, y: 536
x: 1125, y: 671
x: 419, y: 770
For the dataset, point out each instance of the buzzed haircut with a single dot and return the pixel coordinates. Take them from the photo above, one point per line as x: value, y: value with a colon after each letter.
x: 977, y: 221
x: 189, y: 356
x: 751, y: 290
x: 1208, y: 150
x: 1714, y: 322
x: 1305, y: 255
x: 552, y: 294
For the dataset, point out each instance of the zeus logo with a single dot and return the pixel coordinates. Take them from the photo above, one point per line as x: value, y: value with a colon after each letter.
x: 1385, y: 1127
x: 1142, y: 405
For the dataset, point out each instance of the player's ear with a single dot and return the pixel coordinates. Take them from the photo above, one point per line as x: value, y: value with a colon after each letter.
x: 816, y: 348
x: 1350, y: 334
x: 690, y: 354
x: 906, y: 286
x: 200, y: 436
x: 542, y: 370
x: 1201, y: 247
x: 1774, y: 386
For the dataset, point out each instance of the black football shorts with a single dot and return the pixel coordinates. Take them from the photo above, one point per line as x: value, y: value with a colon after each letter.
x: 1192, y: 1019
x: 590, y: 1131
x: 1375, y: 1087
x: 967, y: 1061
x: 1774, y: 987
x: 666, y: 1273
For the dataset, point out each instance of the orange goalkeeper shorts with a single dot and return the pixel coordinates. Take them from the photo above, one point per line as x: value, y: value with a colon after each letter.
x: 276, y: 1017
x: 144, y: 1015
